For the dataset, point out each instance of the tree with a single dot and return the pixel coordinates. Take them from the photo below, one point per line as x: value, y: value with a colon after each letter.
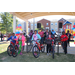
x: 6, y: 24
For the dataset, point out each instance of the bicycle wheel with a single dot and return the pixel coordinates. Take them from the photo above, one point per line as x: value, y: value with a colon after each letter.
x: 36, y: 51
x: 43, y: 49
x: 15, y: 51
x: 10, y: 49
x: 53, y: 52
x: 29, y: 48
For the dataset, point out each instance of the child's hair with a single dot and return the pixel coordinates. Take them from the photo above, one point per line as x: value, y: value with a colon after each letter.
x: 35, y: 30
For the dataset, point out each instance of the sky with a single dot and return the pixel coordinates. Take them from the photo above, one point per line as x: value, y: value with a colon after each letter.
x: 51, y: 18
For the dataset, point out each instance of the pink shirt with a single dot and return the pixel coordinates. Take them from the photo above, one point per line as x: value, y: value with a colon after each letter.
x: 35, y: 37
x: 41, y: 34
x: 49, y: 36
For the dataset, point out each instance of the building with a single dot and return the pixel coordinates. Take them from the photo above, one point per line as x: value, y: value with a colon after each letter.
x: 45, y: 23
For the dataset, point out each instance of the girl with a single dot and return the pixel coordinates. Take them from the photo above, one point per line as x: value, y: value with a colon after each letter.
x: 35, y: 37
x: 64, y: 39
x: 49, y: 42
x: 21, y: 40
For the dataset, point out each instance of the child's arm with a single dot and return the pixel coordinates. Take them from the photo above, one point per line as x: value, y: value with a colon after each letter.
x: 9, y: 38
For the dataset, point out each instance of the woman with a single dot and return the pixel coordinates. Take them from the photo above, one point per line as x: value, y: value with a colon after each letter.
x: 21, y: 40
x: 49, y: 42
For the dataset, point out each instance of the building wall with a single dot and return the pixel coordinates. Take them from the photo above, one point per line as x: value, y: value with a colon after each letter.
x: 45, y: 23
x: 54, y: 25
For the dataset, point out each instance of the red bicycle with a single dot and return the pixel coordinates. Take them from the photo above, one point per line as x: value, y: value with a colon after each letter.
x: 37, y: 47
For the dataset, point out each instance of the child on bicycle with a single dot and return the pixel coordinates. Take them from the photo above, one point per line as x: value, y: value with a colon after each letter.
x: 12, y: 39
x: 35, y: 37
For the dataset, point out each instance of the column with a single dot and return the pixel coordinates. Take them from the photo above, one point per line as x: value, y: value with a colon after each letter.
x: 14, y: 23
x: 33, y: 24
x: 27, y: 27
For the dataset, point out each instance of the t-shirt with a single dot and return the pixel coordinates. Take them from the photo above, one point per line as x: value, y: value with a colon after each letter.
x: 35, y: 37
x: 49, y: 36
x: 64, y: 39
x: 41, y: 34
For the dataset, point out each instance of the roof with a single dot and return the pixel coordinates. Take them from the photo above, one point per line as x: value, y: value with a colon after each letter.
x: 62, y: 19
x: 67, y: 22
x: 29, y: 15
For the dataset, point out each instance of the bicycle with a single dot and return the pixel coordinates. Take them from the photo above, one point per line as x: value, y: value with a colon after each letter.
x: 37, y: 48
x: 12, y: 50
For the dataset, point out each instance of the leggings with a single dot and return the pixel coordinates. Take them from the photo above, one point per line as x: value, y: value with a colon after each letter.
x: 48, y: 48
x: 20, y: 46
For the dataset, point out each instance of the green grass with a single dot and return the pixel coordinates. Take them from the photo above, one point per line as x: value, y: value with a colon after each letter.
x: 28, y: 57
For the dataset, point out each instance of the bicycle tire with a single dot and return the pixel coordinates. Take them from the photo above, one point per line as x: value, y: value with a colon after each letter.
x: 43, y: 49
x: 53, y: 52
x: 15, y: 52
x: 29, y: 48
x: 10, y: 53
x: 37, y: 54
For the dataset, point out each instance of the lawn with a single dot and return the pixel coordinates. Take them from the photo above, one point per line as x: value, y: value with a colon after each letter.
x: 28, y: 57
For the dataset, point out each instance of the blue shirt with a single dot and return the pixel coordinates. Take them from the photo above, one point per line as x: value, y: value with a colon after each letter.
x: 53, y: 32
x: 11, y: 38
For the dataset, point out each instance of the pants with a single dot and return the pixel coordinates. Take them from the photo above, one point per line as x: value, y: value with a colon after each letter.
x: 48, y: 48
x: 42, y: 40
x: 1, y: 39
x: 20, y: 46
x: 64, y: 45
x: 68, y: 41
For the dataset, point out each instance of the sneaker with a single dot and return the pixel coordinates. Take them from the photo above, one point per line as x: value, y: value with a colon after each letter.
x: 21, y: 53
x: 47, y: 54
x: 35, y: 53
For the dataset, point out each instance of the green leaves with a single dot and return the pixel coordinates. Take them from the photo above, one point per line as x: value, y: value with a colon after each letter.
x: 6, y: 22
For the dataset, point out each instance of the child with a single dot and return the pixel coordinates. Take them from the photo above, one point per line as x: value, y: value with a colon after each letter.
x: 35, y: 37
x: 12, y: 39
x: 64, y: 39
x: 21, y: 39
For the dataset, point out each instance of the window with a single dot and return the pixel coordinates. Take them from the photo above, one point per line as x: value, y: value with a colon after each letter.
x: 56, y: 28
x: 51, y: 23
x: 31, y: 24
x: 47, y: 24
x: 35, y: 24
x: 55, y: 23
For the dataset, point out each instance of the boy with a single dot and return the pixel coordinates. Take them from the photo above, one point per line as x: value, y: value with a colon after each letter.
x: 12, y: 39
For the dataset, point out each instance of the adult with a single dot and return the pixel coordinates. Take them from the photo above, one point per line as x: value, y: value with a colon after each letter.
x: 53, y: 32
x: 64, y: 39
x: 68, y: 35
x: 41, y: 33
x: 45, y: 34
x: 1, y: 37
x: 49, y: 42
x: 31, y: 34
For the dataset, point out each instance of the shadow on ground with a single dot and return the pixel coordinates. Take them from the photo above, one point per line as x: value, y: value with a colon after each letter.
x: 28, y: 57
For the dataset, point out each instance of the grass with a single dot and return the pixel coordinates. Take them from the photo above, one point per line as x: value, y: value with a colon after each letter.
x: 28, y: 57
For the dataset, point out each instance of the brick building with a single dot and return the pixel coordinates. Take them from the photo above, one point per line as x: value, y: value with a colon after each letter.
x: 45, y: 23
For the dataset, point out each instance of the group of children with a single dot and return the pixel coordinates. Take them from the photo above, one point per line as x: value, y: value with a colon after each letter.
x: 41, y: 36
